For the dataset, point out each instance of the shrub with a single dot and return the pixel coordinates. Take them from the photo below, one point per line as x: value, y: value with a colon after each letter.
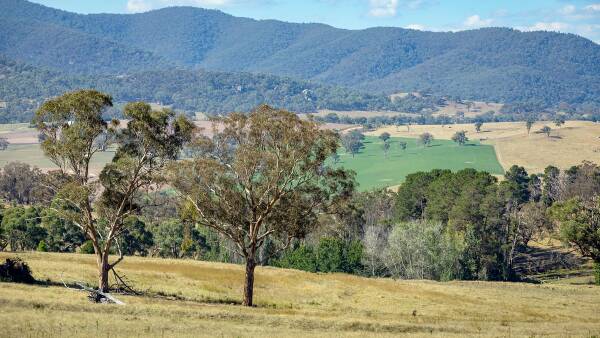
x: 16, y: 270
x: 42, y: 247
x: 301, y: 258
x: 86, y: 248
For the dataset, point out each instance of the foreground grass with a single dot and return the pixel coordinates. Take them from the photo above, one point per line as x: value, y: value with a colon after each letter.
x: 290, y: 303
x: 374, y: 170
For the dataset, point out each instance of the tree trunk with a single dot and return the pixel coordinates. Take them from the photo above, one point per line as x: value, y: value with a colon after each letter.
x: 103, y: 268
x: 249, y: 282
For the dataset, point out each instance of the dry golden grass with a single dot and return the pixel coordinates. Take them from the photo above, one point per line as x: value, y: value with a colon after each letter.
x: 290, y: 303
x: 477, y: 108
x: 569, y: 145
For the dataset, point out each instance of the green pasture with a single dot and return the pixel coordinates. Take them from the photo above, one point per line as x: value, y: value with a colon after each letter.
x: 374, y: 170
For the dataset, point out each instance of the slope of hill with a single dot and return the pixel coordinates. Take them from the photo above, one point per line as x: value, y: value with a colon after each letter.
x: 193, y: 298
x: 492, y: 64
x: 24, y: 87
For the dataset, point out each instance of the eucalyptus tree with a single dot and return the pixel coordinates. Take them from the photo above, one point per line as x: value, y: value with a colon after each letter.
x: 4, y: 143
x: 460, y: 137
x: 72, y: 124
x: 478, y: 126
x: 425, y: 139
x: 261, y: 177
x: 546, y: 130
x: 385, y: 136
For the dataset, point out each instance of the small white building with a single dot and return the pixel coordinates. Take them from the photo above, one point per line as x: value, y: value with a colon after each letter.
x: 3, y: 104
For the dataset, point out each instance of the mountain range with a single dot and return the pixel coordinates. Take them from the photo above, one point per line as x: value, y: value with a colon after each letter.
x: 490, y: 64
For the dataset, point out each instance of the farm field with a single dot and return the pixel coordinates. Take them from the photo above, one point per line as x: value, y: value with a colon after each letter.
x: 569, y: 145
x: 198, y: 300
x: 374, y: 170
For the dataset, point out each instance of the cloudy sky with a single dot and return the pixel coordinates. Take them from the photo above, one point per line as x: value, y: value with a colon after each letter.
x: 576, y: 16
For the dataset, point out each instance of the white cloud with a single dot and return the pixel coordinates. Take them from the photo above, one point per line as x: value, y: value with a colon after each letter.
x: 136, y: 6
x: 548, y: 26
x: 593, y: 8
x: 475, y: 21
x: 415, y: 26
x: 383, y: 8
x: 568, y: 10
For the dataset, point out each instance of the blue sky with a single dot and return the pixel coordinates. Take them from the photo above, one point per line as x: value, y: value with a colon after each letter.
x: 576, y: 16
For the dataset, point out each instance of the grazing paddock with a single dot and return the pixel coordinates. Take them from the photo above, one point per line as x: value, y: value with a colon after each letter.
x: 569, y: 145
x: 198, y: 299
x: 374, y: 170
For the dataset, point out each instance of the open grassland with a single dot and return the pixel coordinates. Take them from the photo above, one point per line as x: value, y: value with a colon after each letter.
x: 290, y: 303
x: 374, y: 170
x: 32, y: 154
x: 569, y: 145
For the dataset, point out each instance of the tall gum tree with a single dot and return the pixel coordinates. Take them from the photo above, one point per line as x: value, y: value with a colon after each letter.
x: 262, y: 175
x: 72, y: 126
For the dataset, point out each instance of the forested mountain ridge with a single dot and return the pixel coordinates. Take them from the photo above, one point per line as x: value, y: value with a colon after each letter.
x: 23, y: 87
x: 491, y: 64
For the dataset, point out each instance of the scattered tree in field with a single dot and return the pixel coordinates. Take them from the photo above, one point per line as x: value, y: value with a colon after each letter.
x: 426, y: 139
x: 529, y: 124
x: 478, y: 126
x: 385, y: 136
x: 4, y: 143
x: 559, y: 121
x: 353, y: 142
x: 546, y: 130
x: 402, y: 145
x: 72, y: 124
x: 386, y: 148
x: 579, y: 226
x: 262, y: 178
x: 460, y: 137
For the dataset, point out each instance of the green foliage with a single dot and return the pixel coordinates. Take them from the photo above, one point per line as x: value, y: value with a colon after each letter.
x: 21, y: 228
x: 460, y: 137
x: 136, y: 239
x: 87, y: 248
x: 579, y: 225
x: 63, y: 235
x: 425, y: 139
x: 301, y: 258
x: 329, y: 255
x: 42, y: 246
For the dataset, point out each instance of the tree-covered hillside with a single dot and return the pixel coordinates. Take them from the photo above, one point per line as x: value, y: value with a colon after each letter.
x: 492, y: 64
x: 24, y: 87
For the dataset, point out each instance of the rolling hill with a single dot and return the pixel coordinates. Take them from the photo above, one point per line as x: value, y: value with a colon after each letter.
x: 491, y: 64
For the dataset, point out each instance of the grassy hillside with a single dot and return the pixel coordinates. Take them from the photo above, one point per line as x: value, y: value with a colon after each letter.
x: 200, y: 301
x: 491, y: 64
x: 375, y: 171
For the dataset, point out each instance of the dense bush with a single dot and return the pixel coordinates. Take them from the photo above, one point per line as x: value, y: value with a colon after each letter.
x: 15, y: 270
